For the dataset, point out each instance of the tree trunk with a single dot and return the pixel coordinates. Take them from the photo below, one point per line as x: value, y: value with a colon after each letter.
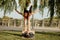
x: 58, y: 23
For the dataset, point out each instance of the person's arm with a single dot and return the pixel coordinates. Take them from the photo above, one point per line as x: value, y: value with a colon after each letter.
x: 35, y: 11
x: 30, y: 10
x: 18, y: 12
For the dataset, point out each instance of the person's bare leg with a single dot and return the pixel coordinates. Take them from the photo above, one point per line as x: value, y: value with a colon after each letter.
x: 25, y: 25
x: 28, y: 26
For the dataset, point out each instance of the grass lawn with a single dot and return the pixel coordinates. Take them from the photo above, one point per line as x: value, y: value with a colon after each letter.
x: 16, y: 35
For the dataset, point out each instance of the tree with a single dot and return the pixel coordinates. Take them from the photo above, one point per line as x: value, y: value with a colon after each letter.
x: 54, y: 5
x: 58, y: 11
x: 51, y: 7
x: 7, y: 5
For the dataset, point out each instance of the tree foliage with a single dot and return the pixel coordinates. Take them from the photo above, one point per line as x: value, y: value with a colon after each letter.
x: 7, y: 5
x: 10, y: 5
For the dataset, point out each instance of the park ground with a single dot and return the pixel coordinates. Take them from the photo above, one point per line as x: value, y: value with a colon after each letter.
x: 16, y: 35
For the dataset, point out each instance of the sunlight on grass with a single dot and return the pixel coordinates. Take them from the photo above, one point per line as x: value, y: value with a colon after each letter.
x: 16, y: 35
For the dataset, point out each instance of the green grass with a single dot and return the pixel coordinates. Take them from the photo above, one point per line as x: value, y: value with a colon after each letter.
x: 16, y: 35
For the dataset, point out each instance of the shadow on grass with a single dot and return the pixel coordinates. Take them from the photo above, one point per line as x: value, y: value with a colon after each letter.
x: 6, y: 33
x: 20, y: 35
x: 49, y: 33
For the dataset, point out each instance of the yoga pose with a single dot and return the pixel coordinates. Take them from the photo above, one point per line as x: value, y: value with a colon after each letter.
x: 27, y: 13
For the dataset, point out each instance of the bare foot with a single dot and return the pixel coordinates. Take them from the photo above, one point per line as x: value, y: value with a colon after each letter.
x: 24, y: 31
x: 31, y: 32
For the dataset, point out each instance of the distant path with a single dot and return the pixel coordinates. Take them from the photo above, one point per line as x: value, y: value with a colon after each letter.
x: 37, y: 29
x: 47, y: 29
x: 10, y: 28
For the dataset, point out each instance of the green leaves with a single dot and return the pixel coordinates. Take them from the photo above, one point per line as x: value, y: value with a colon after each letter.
x: 35, y: 4
x: 8, y: 5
